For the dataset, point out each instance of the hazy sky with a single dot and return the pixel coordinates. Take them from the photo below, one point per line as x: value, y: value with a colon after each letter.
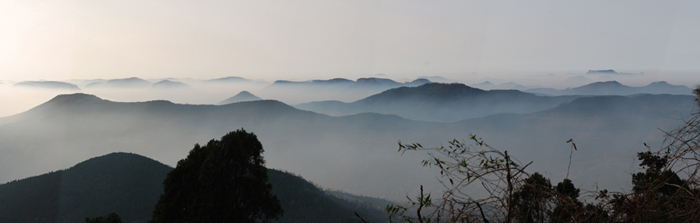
x: 67, y: 39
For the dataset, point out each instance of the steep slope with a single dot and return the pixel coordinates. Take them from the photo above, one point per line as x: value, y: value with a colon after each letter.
x: 440, y: 102
x: 240, y: 97
x: 130, y: 184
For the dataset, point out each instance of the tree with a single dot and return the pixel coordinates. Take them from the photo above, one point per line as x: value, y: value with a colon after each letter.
x: 531, y: 201
x: 109, y: 218
x: 463, y: 166
x: 659, y: 193
x: 223, y: 181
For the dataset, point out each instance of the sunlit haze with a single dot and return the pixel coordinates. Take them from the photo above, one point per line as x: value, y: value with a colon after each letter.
x: 301, y: 40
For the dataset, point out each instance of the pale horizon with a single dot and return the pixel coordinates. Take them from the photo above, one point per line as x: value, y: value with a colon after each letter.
x: 523, y: 42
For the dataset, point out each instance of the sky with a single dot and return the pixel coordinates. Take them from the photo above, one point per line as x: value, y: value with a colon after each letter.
x: 301, y: 40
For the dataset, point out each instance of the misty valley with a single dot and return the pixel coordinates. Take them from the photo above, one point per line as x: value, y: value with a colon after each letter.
x: 87, y: 148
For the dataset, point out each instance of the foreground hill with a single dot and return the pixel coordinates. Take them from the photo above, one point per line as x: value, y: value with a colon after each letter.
x: 130, y: 184
x: 355, y: 153
x: 124, y: 183
x: 440, y: 102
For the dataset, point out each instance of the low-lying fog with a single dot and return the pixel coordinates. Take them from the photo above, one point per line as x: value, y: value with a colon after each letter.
x: 354, y: 153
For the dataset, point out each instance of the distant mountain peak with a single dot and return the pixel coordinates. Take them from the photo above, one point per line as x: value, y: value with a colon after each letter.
x: 420, y: 81
x: 609, y: 71
x: 376, y: 80
x: 57, y: 85
x: 132, y: 82
x: 603, y: 83
x: 659, y: 83
x: 168, y: 84
x: 63, y: 98
x: 333, y: 81
x: 229, y: 79
x: 240, y: 97
x: 431, y: 91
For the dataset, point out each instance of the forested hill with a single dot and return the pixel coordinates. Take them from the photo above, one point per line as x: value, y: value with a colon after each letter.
x: 125, y: 183
x: 130, y: 184
x: 440, y: 102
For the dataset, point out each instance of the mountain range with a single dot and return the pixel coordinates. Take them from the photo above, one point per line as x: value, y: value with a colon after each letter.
x: 336, y: 89
x: 440, y: 103
x: 354, y: 153
x: 615, y: 88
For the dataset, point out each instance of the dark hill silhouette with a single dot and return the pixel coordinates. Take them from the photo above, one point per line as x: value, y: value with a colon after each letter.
x: 240, y: 97
x: 130, y: 184
x: 168, y: 84
x: 440, y: 102
x: 354, y: 153
x: 127, y: 184
x: 616, y: 88
x: 53, y: 85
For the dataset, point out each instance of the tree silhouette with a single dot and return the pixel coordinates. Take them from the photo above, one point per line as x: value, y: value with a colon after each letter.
x: 531, y: 201
x: 223, y: 181
x: 109, y: 218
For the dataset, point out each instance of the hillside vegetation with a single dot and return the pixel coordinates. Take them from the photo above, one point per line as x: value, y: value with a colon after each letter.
x: 130, y: 185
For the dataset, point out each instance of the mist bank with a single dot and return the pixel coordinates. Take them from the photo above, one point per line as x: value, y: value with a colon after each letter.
x: 355, y: 153
x: 213, y: 91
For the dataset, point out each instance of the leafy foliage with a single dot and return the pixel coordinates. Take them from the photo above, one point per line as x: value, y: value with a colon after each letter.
x: 223, y: 181
x: 659, y: 194
x: 463, y: 166
x: 531, y: 201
